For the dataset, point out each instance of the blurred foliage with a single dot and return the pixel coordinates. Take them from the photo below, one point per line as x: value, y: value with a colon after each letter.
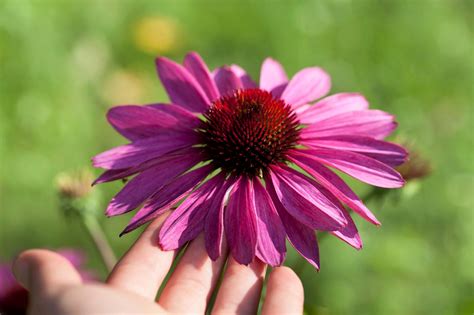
x: 63, y: 63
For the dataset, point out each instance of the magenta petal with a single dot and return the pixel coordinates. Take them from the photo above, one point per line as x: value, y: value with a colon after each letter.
x: 241, y: 223
x: 307, y: 85
x: 182, y: 87
x: 182, y: 115
x: 148, y: 182
x: 385, y: 152
x: 247, y: 82
x: 138, y: 122
x: 114, y: 174
x: 271, y: 247
x: 333, y: 183
x: 143, y: 150
x: 187, y: 221
x: 303, y: 199
x: 332, y: 106
x: 227, y: 81
x: 364, y: 168
x: 301, y: 237
x: 273, y: 77
x: 214, y: 224
x: 370, y: 123
x: 349, y: 233
x: 196, y: 66
x: 167, y: 196
x: 111, y: 175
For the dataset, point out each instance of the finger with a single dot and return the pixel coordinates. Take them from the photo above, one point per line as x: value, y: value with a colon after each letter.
x: 144, y: 266
x: 190, y: 287
x: 241, y: 288
x: 44, y: 273
x: 284, y: 293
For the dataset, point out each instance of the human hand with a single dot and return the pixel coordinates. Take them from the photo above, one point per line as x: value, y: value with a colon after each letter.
x: 56, y: 287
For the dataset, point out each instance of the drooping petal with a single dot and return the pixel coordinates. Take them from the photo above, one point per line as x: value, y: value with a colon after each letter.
x: 143, y: 150
x: 370, y: 123
x: 332, y: 106
x: 271, y: 247
x: 306, y: 86
x: 145, y: 184
x: 349, y: 233
x: 198, y: 68
x: 214, y: 224
x: 167, y: 196
x: 181, y: 86
x: 227, y: 81
x: 241, y: 223
x: 383, y: 151
x: 187, y: 221
x: 301, y: 237
x: 138, y: 122
x: 303, y: 200
x: 247, y: 82
x: 333, y: 183
x: 361, y: 167
x: 273, y: 77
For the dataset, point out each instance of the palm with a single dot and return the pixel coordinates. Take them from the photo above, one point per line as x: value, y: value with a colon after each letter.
x: 56, y: 287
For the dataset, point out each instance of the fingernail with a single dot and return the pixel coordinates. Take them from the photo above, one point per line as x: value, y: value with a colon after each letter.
x: 21, y: 271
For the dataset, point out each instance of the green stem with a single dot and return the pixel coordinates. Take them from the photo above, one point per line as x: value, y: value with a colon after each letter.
x: 100, y: 241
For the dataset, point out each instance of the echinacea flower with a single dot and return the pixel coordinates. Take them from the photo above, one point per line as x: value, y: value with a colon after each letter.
x: 223, y: 153
x: 14, y: 298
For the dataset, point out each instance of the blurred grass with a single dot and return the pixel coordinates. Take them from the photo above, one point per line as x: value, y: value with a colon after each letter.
x: 63, y: 63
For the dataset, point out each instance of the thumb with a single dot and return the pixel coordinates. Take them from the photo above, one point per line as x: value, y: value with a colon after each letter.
x: 44, y: 272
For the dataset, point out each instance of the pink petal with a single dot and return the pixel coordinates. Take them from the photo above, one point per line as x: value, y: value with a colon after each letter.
x: 359, y: 166
x: 185, y: 117
x: 300, y: 236
x: 303, y: 199
x: 370, y: 123
x: 168, y: 195
x: 273, y: 77
x: 241, y: 222
x: 182, y: 87
x: 247, y: 82
x: 385, y: 152
x: 333, y: 183
x: 196, y: 66
x: 227, y: 81
x: 307, y: 85
x: 143, y: 150
x: 145, y: 184
x: 332, y: 106
x: 138, y: 122
x: 271, y: 247
x: 114, y: 174
x: 187, y: 221
x: 214, y: 225
x: 349, y: 233
x: 111, y: 175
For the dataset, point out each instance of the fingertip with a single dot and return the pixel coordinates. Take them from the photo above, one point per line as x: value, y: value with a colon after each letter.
x: 22, y: 265
x: 285, y: 294
x: 41, y: 271
x: 285, y: 277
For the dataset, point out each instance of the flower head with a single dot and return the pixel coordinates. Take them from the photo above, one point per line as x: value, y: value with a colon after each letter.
x: 417, y: 167
x: 224, y: 150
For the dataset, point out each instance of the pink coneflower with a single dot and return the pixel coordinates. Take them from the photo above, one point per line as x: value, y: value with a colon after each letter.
x: 224, y: 153
x: 14, y: 298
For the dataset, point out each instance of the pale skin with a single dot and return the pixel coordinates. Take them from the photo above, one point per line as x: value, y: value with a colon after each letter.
x: 131, y: 288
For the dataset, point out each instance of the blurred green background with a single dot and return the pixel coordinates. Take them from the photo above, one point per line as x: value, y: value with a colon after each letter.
x: 64, y: 63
